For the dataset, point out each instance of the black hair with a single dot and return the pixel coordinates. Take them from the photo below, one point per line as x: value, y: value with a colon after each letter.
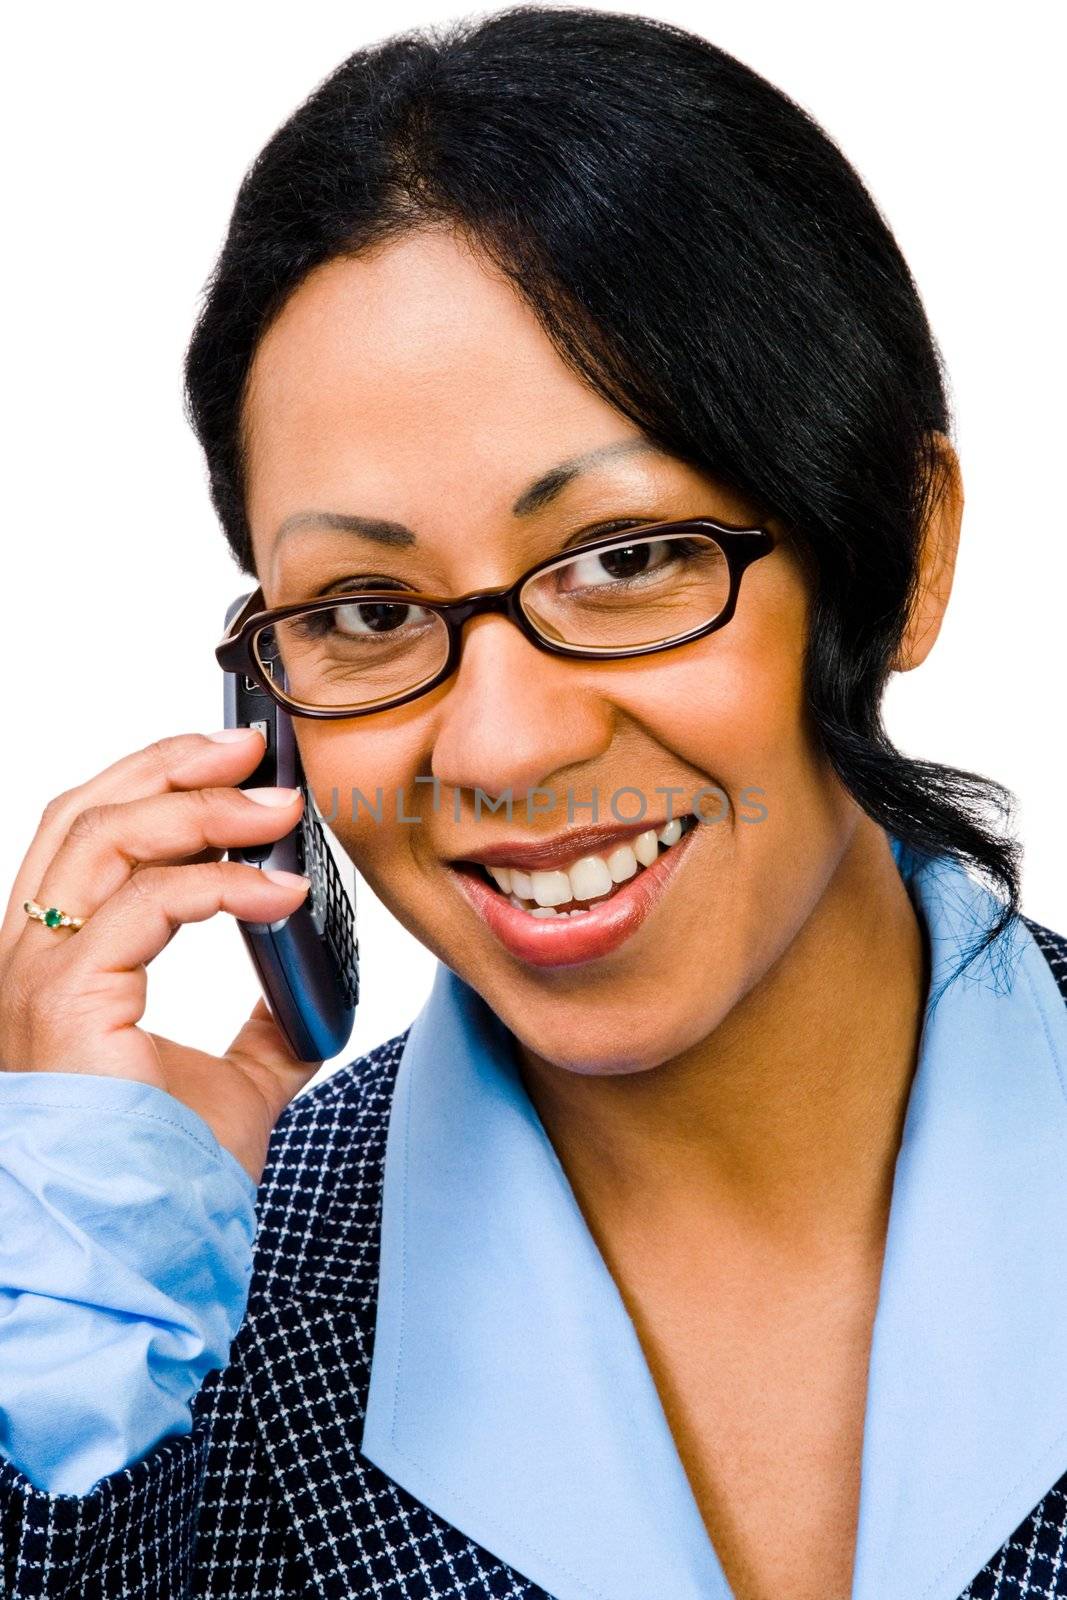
x: 702, y: 254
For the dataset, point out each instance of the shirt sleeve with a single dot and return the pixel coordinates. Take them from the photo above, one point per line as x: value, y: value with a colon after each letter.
x: 125, y: 1263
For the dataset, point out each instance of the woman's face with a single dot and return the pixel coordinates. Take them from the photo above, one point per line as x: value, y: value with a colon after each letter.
x: 413, y: 386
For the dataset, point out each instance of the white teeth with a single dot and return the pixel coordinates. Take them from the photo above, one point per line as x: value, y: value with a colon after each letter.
x: 622, y: 864
x: 588, y: 878
x: 521, y: 883
x: 551, y: 888
x: 646, y: 847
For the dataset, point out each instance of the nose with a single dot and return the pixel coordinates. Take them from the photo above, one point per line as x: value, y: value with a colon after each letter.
x: 514, y: 717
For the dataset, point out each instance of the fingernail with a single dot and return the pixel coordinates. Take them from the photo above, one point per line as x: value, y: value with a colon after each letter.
x: 288, y: 880
x: 231, y: 735
x: 271, y: 797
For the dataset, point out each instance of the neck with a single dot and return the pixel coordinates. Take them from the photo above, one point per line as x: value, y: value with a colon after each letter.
x: 784, y: 1124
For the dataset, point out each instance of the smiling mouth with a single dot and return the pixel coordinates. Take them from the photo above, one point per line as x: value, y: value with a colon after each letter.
x: 587, y: 882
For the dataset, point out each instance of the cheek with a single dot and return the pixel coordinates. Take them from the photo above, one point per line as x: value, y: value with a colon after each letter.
x: 362, y: 778
x: 734, y: 712
x: 733, y: 709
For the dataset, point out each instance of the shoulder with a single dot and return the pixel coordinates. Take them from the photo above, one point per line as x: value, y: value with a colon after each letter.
x: 319, y: 1199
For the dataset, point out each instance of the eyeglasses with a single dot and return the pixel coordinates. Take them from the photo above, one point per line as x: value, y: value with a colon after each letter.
x: 366, y: 649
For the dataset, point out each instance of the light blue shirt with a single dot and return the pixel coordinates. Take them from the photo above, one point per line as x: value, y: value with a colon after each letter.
x: 508, y: 1390
x: 125, y: 1261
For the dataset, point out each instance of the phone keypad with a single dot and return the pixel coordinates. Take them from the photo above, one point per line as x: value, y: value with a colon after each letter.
x: 330, y: 906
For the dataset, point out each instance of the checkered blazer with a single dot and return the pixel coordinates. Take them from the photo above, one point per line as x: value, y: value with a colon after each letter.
x: 268, y: 1498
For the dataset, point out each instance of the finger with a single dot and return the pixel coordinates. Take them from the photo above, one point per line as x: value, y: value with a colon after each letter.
x: 134, y: 924
x: 166, y: 861
x: 185, y: 761
x: 106, y: 842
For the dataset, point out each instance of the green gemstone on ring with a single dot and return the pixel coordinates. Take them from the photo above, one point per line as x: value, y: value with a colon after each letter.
x: 53, y: 917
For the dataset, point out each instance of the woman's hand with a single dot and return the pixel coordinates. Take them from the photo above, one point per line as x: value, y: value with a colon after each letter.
x: 136, y: 851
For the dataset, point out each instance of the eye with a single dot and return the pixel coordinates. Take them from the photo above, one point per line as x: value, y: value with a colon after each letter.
x: 355, y: 621
x: 619, y: 563
x: 635, y: 568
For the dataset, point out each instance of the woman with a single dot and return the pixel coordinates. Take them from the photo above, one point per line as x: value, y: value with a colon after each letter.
x: 570, y: 1289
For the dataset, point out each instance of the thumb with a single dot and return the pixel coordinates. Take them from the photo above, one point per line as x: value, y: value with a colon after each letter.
x: 259, y: 1042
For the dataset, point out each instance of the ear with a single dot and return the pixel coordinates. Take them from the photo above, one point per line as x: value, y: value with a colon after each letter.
x: 937, y: 560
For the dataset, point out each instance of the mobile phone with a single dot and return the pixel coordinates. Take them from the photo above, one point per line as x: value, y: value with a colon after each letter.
x: 308, y: 962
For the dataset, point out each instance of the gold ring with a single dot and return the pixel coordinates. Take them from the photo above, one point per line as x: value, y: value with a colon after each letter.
x: 53, y: 917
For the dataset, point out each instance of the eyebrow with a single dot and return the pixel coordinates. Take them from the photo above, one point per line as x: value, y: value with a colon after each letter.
x: 534, y: 497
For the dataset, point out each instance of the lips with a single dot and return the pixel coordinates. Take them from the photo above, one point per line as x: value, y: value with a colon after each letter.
x: 547, y: 940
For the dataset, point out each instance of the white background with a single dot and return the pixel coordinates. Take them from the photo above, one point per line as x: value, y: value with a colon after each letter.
x: 126, y: 131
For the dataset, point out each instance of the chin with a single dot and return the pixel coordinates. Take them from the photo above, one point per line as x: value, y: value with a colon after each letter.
x: 618, y: 1067
x: 624, y: 1050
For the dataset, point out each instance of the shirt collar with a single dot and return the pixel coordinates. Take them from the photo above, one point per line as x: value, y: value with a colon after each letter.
x: 509, y: 1392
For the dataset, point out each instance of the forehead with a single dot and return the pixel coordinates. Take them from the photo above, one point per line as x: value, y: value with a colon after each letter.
x: 414, y: 384
x: 418, y: 355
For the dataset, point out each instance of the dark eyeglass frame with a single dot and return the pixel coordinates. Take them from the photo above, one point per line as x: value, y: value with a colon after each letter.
x: 235, y: 653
